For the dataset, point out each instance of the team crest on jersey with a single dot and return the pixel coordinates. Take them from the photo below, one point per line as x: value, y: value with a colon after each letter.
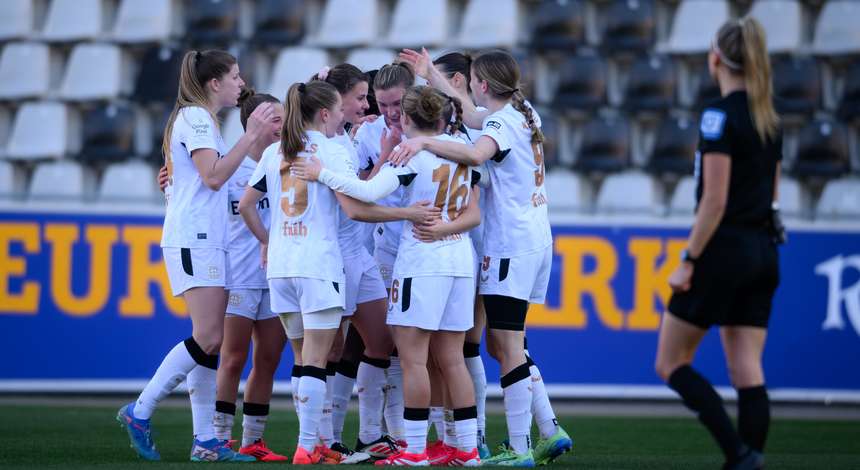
x: 235, y: 299
x: 494, y: 124
x: 713, y: 123
x: 214, y: 272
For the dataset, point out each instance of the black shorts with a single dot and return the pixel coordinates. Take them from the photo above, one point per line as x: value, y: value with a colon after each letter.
x: 733, y: 282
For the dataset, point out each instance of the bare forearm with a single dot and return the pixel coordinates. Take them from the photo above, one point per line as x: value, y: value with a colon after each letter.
x: 454, y: 151
x: 708, y: 218
x: 222, y: 169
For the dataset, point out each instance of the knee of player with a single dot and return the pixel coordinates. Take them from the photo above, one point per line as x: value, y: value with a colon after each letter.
x: 210, y: 342
x: 664, y: 368
x: 745, y: 375
x: 233, y: 363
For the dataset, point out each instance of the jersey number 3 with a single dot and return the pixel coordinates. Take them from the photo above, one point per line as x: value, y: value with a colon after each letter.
x: 448, y: 193
x: 294, y: 193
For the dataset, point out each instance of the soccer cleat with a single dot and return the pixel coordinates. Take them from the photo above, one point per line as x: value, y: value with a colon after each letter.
x: 551, y: 448
x: 329, y: 457
x: 262, y: 453
x: 748, y: 460
x: 350, y: 457
x: 484, y: 451
x: 459, y: 458
x: 404, y: 459
x: 438, y: 453
x: 215, y: 450
x: 509, y: 458
x: 381, y: 448
x: 139, y: 433
x: 303, y: 457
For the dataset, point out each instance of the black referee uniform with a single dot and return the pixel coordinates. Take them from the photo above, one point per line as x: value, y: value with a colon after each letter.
x: 737, y: 273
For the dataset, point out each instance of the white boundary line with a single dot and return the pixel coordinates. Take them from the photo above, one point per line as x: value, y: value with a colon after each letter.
x: 559, y: 391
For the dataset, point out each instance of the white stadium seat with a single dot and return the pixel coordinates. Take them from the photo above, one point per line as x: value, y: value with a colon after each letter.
x: 783, y: 23
x: 836, y: 31
x: 44, y: 130
x: 840, y: 200
x: 232, y: 128
x: 370, y: 59
x: 348, y: 23
x: 18, y: 19
x: 695, y: 24
x: 96, y: 71
x: 683, y: 200
x: 419, y: 23
x: 146, y: 21
x: 129, y: 181
x: 12, y: 181
x: 32, y: 60
x: 62, y: 181
x: 489, y: 23
x: 567, y: 191
x: 295, y: 64
x: 791, y: 197
x: 615, y: 194
x: 74, y: 20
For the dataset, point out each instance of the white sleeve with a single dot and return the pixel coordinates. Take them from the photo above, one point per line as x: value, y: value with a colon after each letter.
x: 381, y: 185
x: 496, y: 129
x: 201, y: 129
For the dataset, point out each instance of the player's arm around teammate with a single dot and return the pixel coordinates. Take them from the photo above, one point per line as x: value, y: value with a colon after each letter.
x: 730, y: 269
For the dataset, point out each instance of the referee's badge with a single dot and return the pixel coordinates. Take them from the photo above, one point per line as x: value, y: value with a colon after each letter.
x: 713, y: 123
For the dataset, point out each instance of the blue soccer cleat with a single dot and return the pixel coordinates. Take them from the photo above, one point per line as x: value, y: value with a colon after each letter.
x: 215, y: 450
x: 139, y: 433
x: 553, y: 447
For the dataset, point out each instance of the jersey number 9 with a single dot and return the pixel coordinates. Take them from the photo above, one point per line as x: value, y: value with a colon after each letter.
x: 537, y: 149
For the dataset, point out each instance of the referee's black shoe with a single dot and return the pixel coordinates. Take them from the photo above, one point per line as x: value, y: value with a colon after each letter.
x: 749, y: 460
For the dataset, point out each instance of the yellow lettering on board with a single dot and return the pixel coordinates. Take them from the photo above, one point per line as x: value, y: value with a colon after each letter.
x: 62, y: 238
x: 143, y: 272
x: 650, y: 280
x: 27, y: 233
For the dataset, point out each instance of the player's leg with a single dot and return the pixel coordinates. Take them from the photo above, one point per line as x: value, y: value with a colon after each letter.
x: 475, y: 365
x: 743, y: 347
x: 344, y: 380
x: 445, y: 347
x: 554, y: 440
x: 413, y: 344
x: 234, y: 353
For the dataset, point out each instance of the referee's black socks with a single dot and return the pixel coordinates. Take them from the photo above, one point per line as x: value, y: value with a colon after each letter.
x: 753, y: 416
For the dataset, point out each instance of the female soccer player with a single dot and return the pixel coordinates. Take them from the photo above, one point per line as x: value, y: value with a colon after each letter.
x: 730, y: 269
x: 193, y: 242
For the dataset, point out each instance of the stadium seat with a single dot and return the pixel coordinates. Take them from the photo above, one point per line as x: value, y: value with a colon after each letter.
x: 605, y: 146
x: 96, y: 72
x: 836, y: 31
x: 370, y: 59
x: 18, y: 19
x: 108, y: 133
x: 62, y: 181
x: 348, y: 23
x: 581, y: 83
x: 44, y: 130
x: 558, y: 25
x: 629, y: 26
x: 822, y: 150
x: 32, y: 60
x: 675, y: 149
x: 551, y: 128
x: 783, y: 24
x: 132, y: 181
x: 840, y: 200
x: 695, y: 24
x: 211, y: 23
x: 158, y: 79
x: 295, y: 64
x: 615, y: 194
x: 146, y: 21
x: 791, y: 197
x: 419, y: 23
x: 651, y: 85
x: 797, y: 85
x: 683, y: 200
x: 12, y: 181
x: 279, y: 22
x: 481, y: 30
x: 75, y: 20
x: 158, y: 120
x: 849, y: 104
x: 704, y: 88
x: 567, y: 191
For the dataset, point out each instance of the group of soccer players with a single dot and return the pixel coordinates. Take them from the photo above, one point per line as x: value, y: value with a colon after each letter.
x: 380, y: 245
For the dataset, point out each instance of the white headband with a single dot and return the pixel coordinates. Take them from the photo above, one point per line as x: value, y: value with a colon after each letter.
x: 729, y: 62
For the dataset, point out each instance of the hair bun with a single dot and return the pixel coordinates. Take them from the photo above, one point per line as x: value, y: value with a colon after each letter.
x: 246, y: 93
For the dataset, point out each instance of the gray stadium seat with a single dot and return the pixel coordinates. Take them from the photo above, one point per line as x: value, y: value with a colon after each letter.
x: 18, y: 19
x: 791, y: 197
x: 651, y: 85
x: 132, y: 181
x: 581, y: 83
x: 44, y: 130
x: 558, y: 24
x: 605, y: 146
x: 75, y: 20
x: 295, y: 64
x: 348, y: 23
x: 419, y: 23
x: 370, y: 58
x: 108, y: 133
x: 675, y: 149
x: 822, y: 150
x: 279, y: 22
x: 683, y: 200
x: 480, y: 29
x: 783, y: 23
x: 840, y: 200
x: 695, y: 24
x: 567, y: 191
x: 32, y: 60
x: 12, y: 181
x: 836, y: 31
x: 211, y: 23
x: 158, y: 79
x: 849, y: 104
x: 629, y: 26
x: 146, y: 21
x: 631, y: 192
x: 796, y: 85
x: 62, y: 181
x: 96, y: 72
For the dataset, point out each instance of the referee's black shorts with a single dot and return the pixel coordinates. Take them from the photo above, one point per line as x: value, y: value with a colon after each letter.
x: 733, y: 282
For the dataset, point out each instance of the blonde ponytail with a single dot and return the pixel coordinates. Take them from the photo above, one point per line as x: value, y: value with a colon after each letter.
x: 757, y: 75
x: 302, y: 104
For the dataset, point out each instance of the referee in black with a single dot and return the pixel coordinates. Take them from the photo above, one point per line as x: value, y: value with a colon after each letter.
x: 730, y: 268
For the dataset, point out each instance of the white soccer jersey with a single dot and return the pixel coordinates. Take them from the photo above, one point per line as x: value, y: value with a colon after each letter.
x: 352, y: 234
x: 515, y: 221
x: 368, y: 147
x: 303, y: 238
x: 195, y: 215
x: 244, y: 269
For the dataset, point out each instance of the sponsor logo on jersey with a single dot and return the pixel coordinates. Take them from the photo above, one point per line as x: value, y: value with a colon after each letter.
x: 295, y: 230
x: 494, y: 124
x: 201, y: 236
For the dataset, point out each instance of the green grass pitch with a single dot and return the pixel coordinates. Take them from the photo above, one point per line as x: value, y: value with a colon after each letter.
x: 65, y: 437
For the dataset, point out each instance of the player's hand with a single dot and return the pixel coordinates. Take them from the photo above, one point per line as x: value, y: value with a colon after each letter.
x: 422, y: 212
x: 388, y: 142
x: 429, y: 232
x: 307, y: 169
x: 162, y: 178
x: 366, y: 119
x: 420, y: 61
x: 264, y: 255
x: 679, y: 280
x: 260, y: 122
x: 404, y: 151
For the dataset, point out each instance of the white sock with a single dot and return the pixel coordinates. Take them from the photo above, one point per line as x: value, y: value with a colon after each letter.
x: 223, y: 425
x: 415, y: 434
x: 172, y: 371
x: 254, y: 417
x: 437, y: 420
x: 467, y: 434
x: 326, y: 431
x: 475, y: 365
x: 394, y: 399
x: 201, y: 390
x: 541, y: 407
x: 371, y: 399
x: 341, y: 393
x: 294, y: 386
x: 450, y: 431
x: 311, y: 398
x: 516, y: 386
